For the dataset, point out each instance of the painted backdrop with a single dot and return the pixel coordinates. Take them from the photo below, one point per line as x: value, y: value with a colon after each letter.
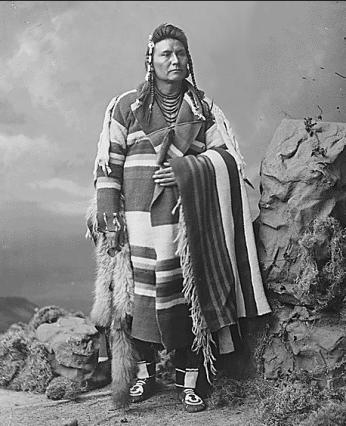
x: 61, y: 63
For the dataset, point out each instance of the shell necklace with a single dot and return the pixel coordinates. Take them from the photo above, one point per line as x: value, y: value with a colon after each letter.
x: 169, y: 105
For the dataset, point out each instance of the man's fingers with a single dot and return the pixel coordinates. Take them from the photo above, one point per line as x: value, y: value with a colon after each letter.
x: 165, y: 179
x: 110, y: 236
x: 167, y: 184
x: 105, y: 168
x: 111, y: 239
x: 115, y: 241
x: 163, y: 172
x: 164, y: 176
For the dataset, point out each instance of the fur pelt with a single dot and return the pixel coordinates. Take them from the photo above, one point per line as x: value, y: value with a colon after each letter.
x: 124, y: 364
x: 112, y: 308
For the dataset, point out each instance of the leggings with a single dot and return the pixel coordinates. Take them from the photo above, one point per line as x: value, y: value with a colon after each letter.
x: 183, y: 357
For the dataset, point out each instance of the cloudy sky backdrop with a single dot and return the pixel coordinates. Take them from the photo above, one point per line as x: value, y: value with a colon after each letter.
x: 61, y: 63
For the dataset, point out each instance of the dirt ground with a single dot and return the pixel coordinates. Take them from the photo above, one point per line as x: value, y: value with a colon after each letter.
x: 95, y: 408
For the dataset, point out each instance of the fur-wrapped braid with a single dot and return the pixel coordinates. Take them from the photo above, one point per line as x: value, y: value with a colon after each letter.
x: 112, y: 308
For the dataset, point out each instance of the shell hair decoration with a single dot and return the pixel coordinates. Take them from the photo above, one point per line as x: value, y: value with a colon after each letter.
x: 150, y: 56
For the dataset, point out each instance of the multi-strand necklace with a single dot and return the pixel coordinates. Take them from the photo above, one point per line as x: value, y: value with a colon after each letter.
x: 169, y: 105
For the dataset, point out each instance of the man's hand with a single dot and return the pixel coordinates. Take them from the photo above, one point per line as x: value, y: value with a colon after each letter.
x: 115, y: 239
x: 105, y: 167
x: 165, y: 176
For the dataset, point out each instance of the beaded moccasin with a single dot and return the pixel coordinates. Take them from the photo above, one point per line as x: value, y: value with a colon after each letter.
x: 191, y: 401
x: 142, y: 389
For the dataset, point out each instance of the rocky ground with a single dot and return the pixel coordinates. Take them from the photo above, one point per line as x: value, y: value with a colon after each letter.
x: 95, y: 408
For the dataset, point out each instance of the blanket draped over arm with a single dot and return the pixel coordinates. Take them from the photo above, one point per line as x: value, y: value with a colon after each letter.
x: 222, y: 270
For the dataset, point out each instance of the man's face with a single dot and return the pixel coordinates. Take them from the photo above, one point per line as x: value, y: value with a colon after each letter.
x: 170, y: 60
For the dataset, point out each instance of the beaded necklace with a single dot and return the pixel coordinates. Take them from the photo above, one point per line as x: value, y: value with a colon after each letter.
x: 169, y: 105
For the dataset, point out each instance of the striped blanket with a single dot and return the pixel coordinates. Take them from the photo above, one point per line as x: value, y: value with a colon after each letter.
x: 224, y: 271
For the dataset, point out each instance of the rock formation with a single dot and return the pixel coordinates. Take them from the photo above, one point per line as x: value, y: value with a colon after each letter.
x: 56, y: 353
x: 301, y: 245
x: 73, y: 343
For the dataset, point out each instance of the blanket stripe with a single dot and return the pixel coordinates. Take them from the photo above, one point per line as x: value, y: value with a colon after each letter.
x: 225, y: 201
x: 243, y: 262
x: 213, y: 240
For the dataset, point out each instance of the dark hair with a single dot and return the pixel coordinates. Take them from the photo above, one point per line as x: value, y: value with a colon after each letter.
x: 164, y: 31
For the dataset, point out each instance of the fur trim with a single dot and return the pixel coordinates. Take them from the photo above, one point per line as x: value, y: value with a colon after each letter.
x: 123, y: 284
x: 112, y: 307
x: 124, y: 364
x: 101, y: 312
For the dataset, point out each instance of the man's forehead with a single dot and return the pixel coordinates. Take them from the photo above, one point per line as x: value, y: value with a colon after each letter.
x: 168, y: 44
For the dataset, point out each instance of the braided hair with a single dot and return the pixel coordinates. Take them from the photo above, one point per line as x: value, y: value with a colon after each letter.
x: 163, y: 32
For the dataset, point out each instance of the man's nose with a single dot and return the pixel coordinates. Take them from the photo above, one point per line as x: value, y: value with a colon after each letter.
x: 174, y: 58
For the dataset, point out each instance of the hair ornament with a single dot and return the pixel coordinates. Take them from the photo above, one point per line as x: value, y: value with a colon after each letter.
x: 150, y: 56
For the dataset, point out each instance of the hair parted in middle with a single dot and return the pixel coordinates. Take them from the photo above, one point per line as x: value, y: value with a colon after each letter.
x: 160, y: 33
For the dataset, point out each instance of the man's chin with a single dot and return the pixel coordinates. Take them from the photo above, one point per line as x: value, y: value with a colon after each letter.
x: 176, y: 76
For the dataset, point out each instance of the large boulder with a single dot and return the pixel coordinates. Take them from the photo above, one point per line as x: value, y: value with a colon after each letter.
x: 303, y: 177
x: 301, y: 236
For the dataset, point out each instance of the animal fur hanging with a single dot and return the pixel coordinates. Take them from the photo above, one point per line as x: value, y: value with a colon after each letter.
x: 112, y: 309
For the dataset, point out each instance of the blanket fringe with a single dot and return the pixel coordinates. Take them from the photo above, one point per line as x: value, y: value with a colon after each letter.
x: 203, y: 338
